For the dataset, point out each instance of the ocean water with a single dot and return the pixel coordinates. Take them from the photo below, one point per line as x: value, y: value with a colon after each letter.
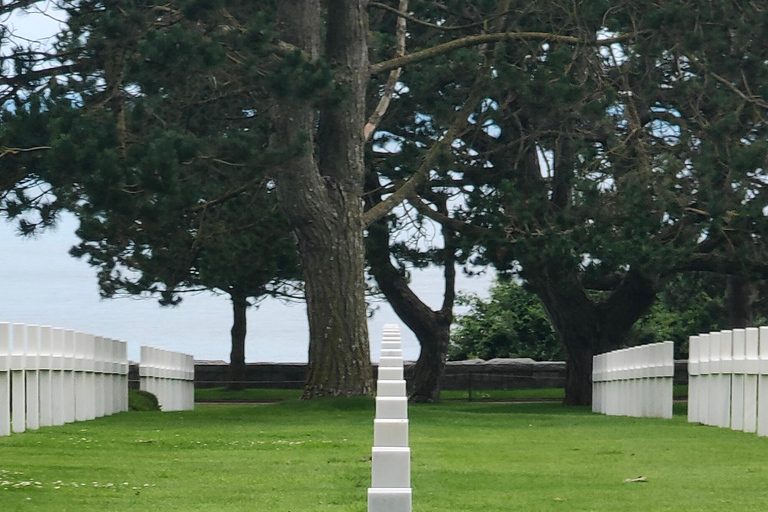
x: 41, y: 284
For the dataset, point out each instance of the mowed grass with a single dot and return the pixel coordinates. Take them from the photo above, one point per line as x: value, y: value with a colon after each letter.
x: 314, y: 456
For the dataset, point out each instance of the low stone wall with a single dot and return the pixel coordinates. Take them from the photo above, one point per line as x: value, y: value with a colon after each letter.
x: 211, y: 374
x: 459, y: 375
x: 503, y: 374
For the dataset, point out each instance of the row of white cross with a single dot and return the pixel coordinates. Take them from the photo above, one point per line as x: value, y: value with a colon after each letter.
x: 390, y: 489
x: 58, y: 376
x: 635, y: 381
x: 728, y: 379
x: 170, y: 376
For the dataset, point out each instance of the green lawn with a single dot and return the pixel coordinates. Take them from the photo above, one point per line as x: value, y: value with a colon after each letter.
x: 314, y: 456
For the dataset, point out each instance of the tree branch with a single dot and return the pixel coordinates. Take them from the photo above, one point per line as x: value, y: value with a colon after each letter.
x: 7, y: 7
x: 401, y: 12
x: 754, y: 100
x: 421, y: 176
x: 15, y: 151
x: 226, y: 197
x: 456, y: 225
x: 394, y: 76
x: 476, y: 40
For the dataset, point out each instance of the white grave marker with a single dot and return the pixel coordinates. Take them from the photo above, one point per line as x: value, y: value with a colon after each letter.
x: 58, y: 397
x: 390, y: 489
x: 694, y: 379
x: 762, y: 392
x: 18, y: 357
x: 5, y: 380
x: 69, y: 405
x: 45, y: 377
x: 32, y: 377
x: 737, y: 381
x: 752, y: 369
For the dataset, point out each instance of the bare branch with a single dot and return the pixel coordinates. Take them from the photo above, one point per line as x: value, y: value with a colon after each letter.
x: 15, y: 151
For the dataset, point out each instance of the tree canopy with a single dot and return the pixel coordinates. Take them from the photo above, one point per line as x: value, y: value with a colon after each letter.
x: 582, y: 146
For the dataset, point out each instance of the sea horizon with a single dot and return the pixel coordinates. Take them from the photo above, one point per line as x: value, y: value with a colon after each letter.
x: 42, y: 284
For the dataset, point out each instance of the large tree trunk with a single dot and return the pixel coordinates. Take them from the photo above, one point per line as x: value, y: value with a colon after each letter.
x: 585, y: 327
x: 430, y: 367
x: 320, y: 192
x: 739, y: 297
x: 239, y: 328
x: 432, y: 328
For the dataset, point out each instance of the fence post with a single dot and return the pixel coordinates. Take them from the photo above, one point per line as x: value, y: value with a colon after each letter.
x: 5, y: 380
x: 46, y: 391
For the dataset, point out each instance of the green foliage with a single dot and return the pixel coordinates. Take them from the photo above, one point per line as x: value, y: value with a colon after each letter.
x: 142, y: 401
x: 160, y: 146
x: 690, y: 304
x: 512, y: 323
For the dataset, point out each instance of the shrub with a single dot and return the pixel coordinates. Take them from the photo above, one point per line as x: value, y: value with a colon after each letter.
x: 512, y: 323
x: 142, y: 401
